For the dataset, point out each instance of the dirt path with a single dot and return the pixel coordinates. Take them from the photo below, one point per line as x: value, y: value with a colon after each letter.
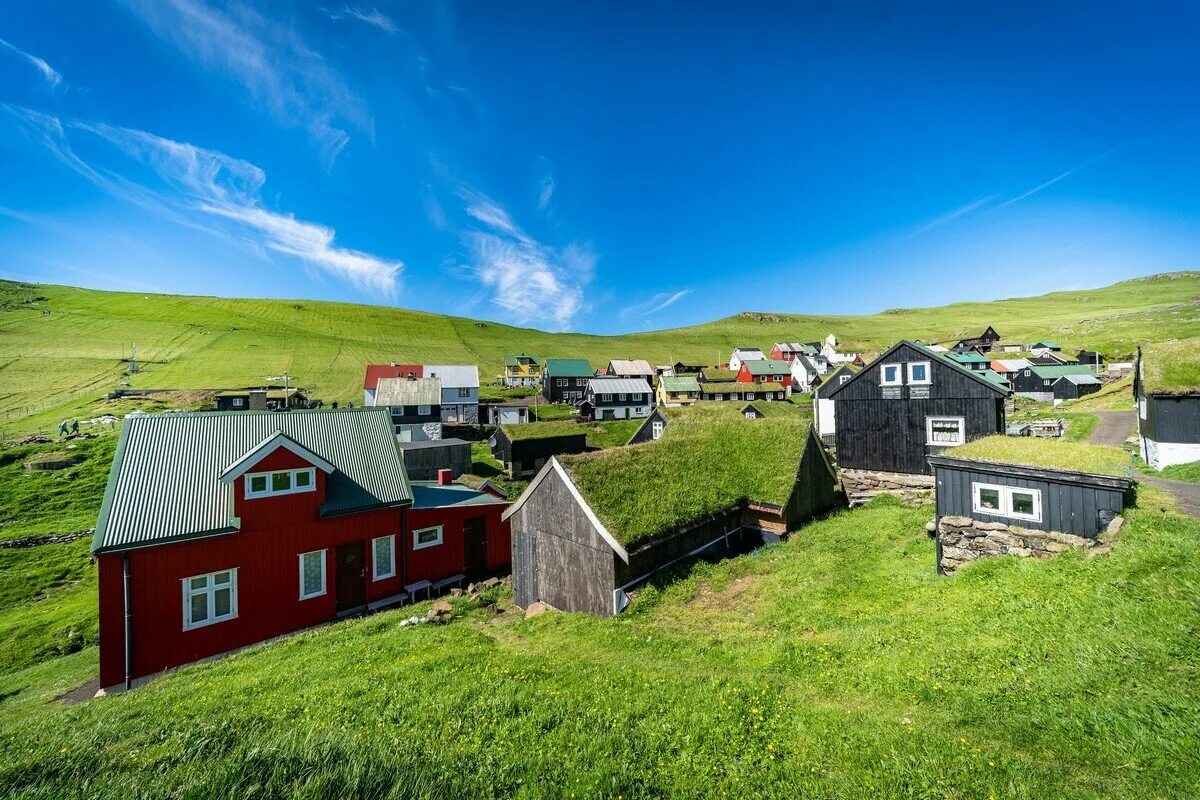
x: 1187, y: 495
x: 1113, y: 428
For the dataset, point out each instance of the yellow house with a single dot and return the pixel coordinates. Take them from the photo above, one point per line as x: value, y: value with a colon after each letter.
x: 681, y: 391
x: 522, y: 370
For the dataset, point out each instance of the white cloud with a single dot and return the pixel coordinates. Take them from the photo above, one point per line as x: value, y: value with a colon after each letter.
x: 48, y: 72
x: 547, y: 190
x: 949, y: 216
x: 278, y: 69
x: 200, y: 187
x: 372, y: 16
x: 533, y: 282
x: 655, y: 303
x: 1055, y: 179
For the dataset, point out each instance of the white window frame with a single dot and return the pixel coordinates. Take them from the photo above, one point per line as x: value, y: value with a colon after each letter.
x: 1006, y: 506
x: 656, y: 429
x: 210, y: 590
x: 417, y: 545
x: 928, y: 375
x: 560, y: 381
x: 962, y: 430
x: 621, y: 398
x: 324, y: 574
x: 391, y: 573
x: 237, y: 402
x: 465, y: 392
x: 269, y: 492
x: 883, y: 380
x: 842, y: 379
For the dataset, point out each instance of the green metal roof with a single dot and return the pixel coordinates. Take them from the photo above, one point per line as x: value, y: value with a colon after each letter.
x: 768, y: 366
x: 968, y: 358
x: 165, y: 480
x: 568, y: 368
x: 1050, y: 343
x: 1051, y: 373
x: 996, y: 378
x: 681, y: 383
x: 430, y: 494
x: 512, y: 361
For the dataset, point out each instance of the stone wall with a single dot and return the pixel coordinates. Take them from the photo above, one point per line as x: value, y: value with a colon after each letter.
x: 964, y: 539
x: 861, y: 485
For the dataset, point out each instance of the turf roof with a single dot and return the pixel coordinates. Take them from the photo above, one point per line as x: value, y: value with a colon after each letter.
x: 1171, y: 367
x: 707, y: 460
x: 1047, y: 453
x: 713, y: 374
x: 730, y: 387
x: 543, y: 430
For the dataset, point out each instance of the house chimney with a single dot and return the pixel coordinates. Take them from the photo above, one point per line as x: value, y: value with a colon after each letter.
x: 445, y: 477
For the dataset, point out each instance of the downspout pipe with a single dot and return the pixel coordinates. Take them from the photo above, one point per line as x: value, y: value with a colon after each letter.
x: 125, y: 574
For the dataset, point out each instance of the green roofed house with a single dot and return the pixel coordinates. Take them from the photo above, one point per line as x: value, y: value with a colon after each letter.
x: 1167, y: 387
x: 1037, y: 381
x: 590, y: 528
x: 972, y: 360
x: 678, y: 391
x: 565, y: 380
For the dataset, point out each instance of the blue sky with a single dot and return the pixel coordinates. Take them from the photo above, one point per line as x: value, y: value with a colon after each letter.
x: 598, y: 167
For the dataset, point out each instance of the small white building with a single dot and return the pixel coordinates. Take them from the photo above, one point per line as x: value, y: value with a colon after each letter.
x: 743, y: 354
x: 824, y: 418
x: 806, y: 370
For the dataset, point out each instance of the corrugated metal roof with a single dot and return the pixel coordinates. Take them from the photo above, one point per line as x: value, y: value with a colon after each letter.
x: 1080, y: 379
x: 634, y: 367
x: 568, y: 368
x: 768, y: 366
x: 429, y: 494
x: 454, y: 376
x: 408, y: 392
x: 1056, y: 372
x: 164, y: 484
x: 618, y: 386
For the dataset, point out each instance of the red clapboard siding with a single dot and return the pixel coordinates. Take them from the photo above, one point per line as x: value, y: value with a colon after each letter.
x: 449, y: 558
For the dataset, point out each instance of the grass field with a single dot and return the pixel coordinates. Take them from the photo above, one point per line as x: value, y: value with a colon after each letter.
x: 834, y: 665
x: 61, y: 347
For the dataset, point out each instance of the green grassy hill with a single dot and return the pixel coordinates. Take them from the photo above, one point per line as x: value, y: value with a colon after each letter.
x: 61, y: 347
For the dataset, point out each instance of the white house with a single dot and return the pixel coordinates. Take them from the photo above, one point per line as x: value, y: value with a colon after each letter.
x: 824, y: 419
x: 742, y: 354
x: 460, y: 390
x: 806, y: 370
x: 829, y: 350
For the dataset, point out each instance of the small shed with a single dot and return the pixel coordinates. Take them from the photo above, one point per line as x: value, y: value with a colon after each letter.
x: 525, y: 448
x: 651, y: 429
x: 1166, y: 385
x: 424, y: 459
x: 750, y: 412
x: 1072, y: 387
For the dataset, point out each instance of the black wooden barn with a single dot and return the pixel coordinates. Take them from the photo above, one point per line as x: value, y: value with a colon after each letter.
x: 524, y: 455
x: 1072, y: 387
x: 909, y: 404
x: 564, y: 556
x: 1168, y: 418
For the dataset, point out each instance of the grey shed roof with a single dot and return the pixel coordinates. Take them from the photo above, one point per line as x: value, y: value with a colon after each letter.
x: 165, y: 479
x: 1080, y: 380
x: 619, y: 386
x: 408, y: 392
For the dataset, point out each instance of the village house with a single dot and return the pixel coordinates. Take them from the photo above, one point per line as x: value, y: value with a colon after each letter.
x: 1090, y: 358
x: 972, y: 360
x: 1072, y: 387
x: 221, y: 530
x: 425, y: 460
x: 616, y: 398
x: 564, y: 380
x: 678, y: 391
x: 1168, y: 403
x: 376, y: 371
x: 273, y: 398
x: 787, y: 351
x: 743, y: 354
x: 1008, y: 366
x: 460, y: 391
x: 829, y: 351
x: 806, y: 372
x: 508, y: 412
x: 824, y: 419
x: 908, y: 404
x: 523, y: 449
x: 984, y: 342
x: 1026, y: 497
x: 1043, y: 346
x: 733, y: 390
x: 638, y: 368
x: 1037, y: 381
x: 415, y: 405
x: 579, y: 546
x: 767, y: 370
x: 717, y: 375
x: 522, y: 369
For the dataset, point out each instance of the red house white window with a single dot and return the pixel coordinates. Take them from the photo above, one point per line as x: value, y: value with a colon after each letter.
x: 208, y: 599
x: 287, y: 481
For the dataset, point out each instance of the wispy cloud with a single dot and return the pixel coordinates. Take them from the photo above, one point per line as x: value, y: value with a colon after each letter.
x: 654, y: 304
x: 371, y: 16
x: 205, y: 188
x: 533, y: 282
x: 950, y: 216
x: 48, y: 72
x: 276, y: 67
x: 1056, y: 179
x: 547, y: 190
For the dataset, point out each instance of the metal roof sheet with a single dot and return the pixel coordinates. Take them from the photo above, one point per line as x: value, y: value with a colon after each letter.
x: 1055, y: 372
x: 618, y: 386
x: 429, y: 494
x: 635, y: 367
x: 164, y: 483
x: 768, y: 366
x: 408, y: 392
x: 454, y: 376
x: 1080, y: 379
x: 568, y: 368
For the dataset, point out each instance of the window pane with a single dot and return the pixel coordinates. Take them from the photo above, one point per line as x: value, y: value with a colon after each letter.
x: 312, y: 572
x: 918, y: 372
x: 199, y: 606
x: 989, y: 499
x: 221, y: 577
x: 383, y: 556
x: 1022, y: 503
x: 281, y: 481
x: 426, y: 536
x: 944, y: 430
x: 222, y: 604
x: 303, y: 478
x: 258, y: 483
x: 199, y: 583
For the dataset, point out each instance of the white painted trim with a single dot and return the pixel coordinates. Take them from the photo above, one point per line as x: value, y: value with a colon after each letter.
x: 554, y: 466
x: 883, y: 368
x: 418, y: 546
x: 265, y: 448
x: 962, y: 427
x: 391, y: 573
x: 269, y: 492
x: 928, y: 373
x: 324, y: 572
x: 1004, y: 495
x: 188, y: 593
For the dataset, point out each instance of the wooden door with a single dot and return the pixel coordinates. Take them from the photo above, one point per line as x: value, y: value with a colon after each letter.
x: 350, y: 576
x: 475, y: 548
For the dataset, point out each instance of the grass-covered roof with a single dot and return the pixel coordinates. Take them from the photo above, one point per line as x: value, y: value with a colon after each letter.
x: 1172, y: 367
x: 543, y: 430
x: 715, y: 374
x: 1047, y: 453
x: 708, y: 459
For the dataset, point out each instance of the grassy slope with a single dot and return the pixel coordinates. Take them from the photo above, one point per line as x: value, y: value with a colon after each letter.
x: 57, y: 364
x: 835, y: 665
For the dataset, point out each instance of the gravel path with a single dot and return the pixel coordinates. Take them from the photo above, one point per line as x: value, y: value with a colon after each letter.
x: 1113, y: 428
x: 1187, y: 495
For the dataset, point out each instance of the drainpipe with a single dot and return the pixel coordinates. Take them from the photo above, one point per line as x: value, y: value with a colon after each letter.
x: 128, y: 623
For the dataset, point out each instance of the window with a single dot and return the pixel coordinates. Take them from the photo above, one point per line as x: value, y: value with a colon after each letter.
x: 843, y: 378
x: 945, y: 431
x: 656, y: 429
x: 720, y: 397
x: 312, y: 574
x: 891, y: 375
x: 560, y: 381
x: 288, y: 481
x: 237, y: 402
x: 383, y: 557
x: 749, y: 415
x: 607, y: 398
x: 427, y: 537
x: 918, y: 372
x: 423, y: 411
x: 209, y: 598
x: 1045, y: 383
x: 1007, y: 501
x: 749, y: 395
x: 621, y: 397
x: 464, y: 392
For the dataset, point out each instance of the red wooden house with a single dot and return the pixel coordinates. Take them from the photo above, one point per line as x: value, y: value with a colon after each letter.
x: 219, y: 530
x: 375, y: 372
x: 765, y: 370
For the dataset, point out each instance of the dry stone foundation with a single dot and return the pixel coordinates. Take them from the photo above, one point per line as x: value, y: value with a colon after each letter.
x: 964, y: 539
x: 861, y: 485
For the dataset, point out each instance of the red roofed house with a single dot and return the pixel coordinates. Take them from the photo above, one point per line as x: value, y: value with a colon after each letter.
x: 377, y: 371
x: 220, y: 530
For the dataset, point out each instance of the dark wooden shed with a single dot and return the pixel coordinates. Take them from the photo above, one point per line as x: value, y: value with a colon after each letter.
x: 424, y: 459
x: 651, y: 429
x: 526, y: 451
